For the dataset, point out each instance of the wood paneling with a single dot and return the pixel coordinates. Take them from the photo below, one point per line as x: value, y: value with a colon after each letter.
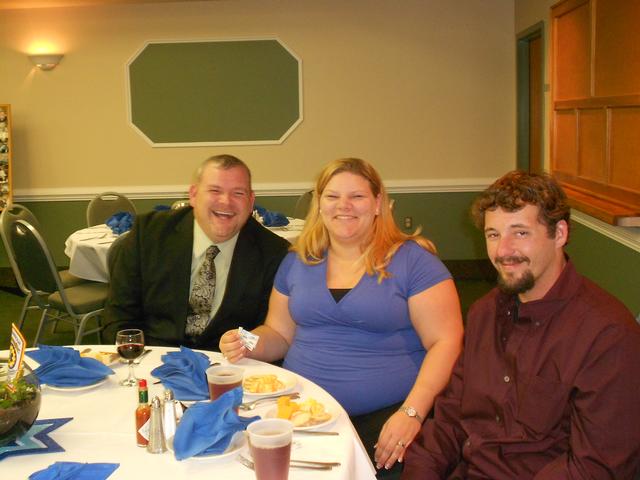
x: 591, y: 145
x: 565, y: 153
x: 572, y: 32
x: 625, y: 148
x: 617, y: 49
x: 595, y: 133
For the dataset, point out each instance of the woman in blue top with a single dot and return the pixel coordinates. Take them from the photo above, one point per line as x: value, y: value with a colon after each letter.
x: 363, y: 310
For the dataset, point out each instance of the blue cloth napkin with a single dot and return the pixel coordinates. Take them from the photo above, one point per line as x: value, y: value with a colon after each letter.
x: 184, y: 373
x: 64, y: 367
x: 120, y: 222
x: 74, y: 470
x: 271, y: 219
x: 207, y: 428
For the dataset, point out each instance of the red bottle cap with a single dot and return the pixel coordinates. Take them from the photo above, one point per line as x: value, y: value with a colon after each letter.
x: 142, y: 383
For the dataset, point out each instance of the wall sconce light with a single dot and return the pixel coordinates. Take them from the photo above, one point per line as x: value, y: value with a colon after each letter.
x: 46, y: 62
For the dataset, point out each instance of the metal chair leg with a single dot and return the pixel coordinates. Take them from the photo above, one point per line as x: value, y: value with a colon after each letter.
x: 40, y: 325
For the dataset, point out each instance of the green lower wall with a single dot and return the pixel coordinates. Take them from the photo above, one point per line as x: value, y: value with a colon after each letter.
x: 610, y: 264
x: 443, y: 216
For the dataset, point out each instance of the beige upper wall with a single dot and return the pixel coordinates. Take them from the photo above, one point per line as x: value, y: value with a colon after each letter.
x: 424, y: 89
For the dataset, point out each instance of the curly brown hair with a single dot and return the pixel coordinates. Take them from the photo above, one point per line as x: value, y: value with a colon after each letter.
x: 516, y: 189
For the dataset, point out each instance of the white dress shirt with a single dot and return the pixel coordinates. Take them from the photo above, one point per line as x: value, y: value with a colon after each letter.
x: 222, y: 262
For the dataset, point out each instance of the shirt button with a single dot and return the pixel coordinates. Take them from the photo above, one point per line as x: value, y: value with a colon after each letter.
x: 467, y: 443
x: 506, y: 379
x: 537, y: 324
x: 497, y: 418
x: 504, y: 339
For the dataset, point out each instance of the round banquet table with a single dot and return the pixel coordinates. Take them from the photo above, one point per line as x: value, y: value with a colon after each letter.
x: 103, y: 431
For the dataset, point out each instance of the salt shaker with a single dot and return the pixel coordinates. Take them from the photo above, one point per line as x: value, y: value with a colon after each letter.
x: 157, y: 442
x: 169, y: 419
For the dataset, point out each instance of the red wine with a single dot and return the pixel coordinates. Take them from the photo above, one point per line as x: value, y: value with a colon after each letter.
x: 130, y: 351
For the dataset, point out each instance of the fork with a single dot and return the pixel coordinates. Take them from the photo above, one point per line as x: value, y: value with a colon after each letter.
x: 293, y: 464
x: 251, y: 405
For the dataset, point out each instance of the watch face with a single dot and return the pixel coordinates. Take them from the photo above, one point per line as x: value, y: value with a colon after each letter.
x: 411, y: 411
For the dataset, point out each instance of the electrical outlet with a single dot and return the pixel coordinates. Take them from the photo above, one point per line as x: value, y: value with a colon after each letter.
x: 408, y: 222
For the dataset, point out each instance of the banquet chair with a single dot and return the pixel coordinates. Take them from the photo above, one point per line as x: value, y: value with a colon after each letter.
x: 76, y: 304
x: 10, y: 213
x: 302, y: 205
x: 104, y: 205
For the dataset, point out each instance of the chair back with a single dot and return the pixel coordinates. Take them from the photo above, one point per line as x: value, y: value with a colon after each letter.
x: 302, y: 205
x: 103, y: 206
x: 180, y: 203
x: 39, y: 272
x: 9, y: 215
x: 114, y: 250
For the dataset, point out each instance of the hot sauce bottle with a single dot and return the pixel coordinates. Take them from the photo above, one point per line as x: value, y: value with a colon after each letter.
x: 143, y: 413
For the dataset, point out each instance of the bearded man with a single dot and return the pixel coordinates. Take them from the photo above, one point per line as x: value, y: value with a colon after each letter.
x: 547, y: 386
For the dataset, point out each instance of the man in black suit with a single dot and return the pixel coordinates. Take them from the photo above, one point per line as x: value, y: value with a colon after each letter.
x: 157, y: 264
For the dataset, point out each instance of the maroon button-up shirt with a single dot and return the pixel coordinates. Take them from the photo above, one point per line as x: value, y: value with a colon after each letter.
x: 548, y: 389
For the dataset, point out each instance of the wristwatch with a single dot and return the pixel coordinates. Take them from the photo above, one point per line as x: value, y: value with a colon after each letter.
x: 411, y: 412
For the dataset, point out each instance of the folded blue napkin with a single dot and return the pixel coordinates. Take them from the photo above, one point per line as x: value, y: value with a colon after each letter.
x: 207, y: 428
x: 271, y: 219
x: 73, y: 470
x: 64, y: 367
x: 120, y: 222
x: 184, y: 373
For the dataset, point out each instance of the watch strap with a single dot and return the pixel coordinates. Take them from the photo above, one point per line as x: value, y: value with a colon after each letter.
x: 411, y: 412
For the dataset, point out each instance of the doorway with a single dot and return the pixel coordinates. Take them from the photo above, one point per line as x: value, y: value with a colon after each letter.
x: 530, y: 99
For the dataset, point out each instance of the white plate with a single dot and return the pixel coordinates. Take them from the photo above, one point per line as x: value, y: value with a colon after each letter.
x: 289, y: 380
x: 77, y: 389
x: 273, y: 413
x: 238, y: 441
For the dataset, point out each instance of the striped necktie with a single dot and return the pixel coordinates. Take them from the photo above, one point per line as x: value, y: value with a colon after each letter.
x: 201, y: 298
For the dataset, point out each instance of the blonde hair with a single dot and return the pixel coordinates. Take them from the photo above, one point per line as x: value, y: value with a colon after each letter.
x: 385, y: 238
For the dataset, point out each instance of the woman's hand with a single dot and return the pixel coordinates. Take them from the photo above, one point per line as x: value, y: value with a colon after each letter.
x: 231, y: 347
x: 397, y: 434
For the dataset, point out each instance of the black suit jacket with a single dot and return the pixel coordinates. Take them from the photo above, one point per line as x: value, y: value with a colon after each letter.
x: 151, y: 270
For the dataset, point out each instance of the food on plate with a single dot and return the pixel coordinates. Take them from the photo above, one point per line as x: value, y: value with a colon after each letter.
x: 262, y: 384
x: 302, y: 414
x: 107, y: 358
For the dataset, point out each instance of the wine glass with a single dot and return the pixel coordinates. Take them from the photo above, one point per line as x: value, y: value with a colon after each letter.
x: 130, y: 345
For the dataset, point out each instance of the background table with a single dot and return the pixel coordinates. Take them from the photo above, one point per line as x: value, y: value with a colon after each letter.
x: 88, y: 248
x: 103, y: 430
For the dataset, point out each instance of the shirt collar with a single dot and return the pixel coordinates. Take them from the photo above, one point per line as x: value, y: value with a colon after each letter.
x: 201, y: 242
x: 565, y: 287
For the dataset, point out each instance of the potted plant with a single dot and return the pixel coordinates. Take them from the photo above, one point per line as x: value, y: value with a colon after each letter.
x: 19, y: 403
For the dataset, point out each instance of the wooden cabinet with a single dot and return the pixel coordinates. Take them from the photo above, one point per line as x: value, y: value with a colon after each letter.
x: 595, y: 124
x: 5, y: 156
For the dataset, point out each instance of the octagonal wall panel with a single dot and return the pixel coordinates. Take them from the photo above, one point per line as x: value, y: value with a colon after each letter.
x: 225, y: 92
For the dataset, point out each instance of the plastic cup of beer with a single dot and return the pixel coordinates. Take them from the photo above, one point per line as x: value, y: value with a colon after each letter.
x: 270, y: 446
x: 222, y: 378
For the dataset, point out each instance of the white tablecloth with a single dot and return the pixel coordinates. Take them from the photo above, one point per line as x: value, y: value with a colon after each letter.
x: 103, y: 430
x: 88, y: 248
x: 88, y: 252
